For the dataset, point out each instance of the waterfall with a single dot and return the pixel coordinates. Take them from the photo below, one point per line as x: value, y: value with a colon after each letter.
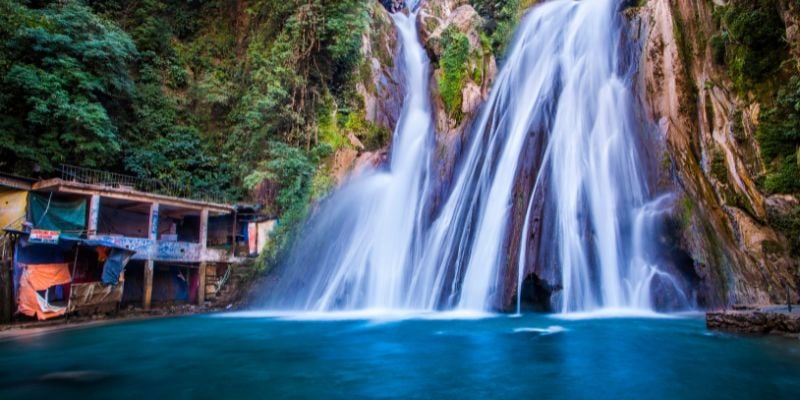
x: 379, y: 242
x: 598, y: 196
x: 365, y: 239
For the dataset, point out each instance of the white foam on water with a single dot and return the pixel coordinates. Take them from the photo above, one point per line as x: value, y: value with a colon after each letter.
x: 543, y: 331
x: 458, y: 315
x: 371, y: 314
x: 607, y: 313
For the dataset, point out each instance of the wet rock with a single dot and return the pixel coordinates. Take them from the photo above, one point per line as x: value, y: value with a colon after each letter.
x: 393, y: 6
x: 790, y: 12
x: 471, y: 98
x: 343, y: 163
x: 452, y: 131
x: 382, y: 87
x: 774, y: 320
x: 436, y: 19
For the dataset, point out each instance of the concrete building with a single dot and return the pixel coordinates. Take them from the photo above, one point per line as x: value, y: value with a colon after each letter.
x: 182, y: 248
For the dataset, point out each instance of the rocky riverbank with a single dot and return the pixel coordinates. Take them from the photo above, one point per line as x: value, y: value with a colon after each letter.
x: 766, y: 320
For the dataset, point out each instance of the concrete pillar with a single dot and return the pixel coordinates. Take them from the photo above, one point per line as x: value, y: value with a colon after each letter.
x: 234, y: 242
x: 148, y: 284
x: 201, y: 281
x: 201, y: 284
x: 6, y: 283
x: 152, y: 234
x: 94, y: 215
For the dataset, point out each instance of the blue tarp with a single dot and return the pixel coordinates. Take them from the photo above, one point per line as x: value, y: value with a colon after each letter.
x: 114, y: 265
x: 40, y: 253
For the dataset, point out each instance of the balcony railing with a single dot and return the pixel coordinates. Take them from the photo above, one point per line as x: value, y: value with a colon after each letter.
x: 112, y: 179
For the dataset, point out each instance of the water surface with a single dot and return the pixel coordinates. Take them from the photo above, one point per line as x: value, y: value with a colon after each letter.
x: 533, y: 356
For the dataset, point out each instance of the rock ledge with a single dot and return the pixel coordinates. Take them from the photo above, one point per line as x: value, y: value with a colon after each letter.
x: 767, y: 320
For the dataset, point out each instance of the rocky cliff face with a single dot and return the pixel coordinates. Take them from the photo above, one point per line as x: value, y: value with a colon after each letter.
x: 380, y: 87
x: 711, y: 159
x: 463, y: 71
x: 726, y: 241
x: 445, y: 25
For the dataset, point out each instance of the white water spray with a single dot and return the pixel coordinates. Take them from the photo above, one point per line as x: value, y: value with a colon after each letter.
x: 374, y: 245
x: 366, y: 238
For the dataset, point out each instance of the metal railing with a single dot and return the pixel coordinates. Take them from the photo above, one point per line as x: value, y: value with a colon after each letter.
x: 73, y: 173
x: 222, y: 281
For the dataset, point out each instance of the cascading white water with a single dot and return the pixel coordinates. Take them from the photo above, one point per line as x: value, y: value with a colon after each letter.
x: 595, y: 177
x: 379, y: 242
x: 366, y: 237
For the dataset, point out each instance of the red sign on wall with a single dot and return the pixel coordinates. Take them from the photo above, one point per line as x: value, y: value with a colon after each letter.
x: 43, y: 236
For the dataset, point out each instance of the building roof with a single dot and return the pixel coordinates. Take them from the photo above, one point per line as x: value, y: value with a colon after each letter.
x: 16, y: 181
x: 127, y: 193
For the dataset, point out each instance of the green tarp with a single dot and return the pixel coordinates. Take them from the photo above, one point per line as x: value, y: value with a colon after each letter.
x: 66, y: 216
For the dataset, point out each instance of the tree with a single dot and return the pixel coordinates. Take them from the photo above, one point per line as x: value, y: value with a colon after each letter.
x: 65, y: 76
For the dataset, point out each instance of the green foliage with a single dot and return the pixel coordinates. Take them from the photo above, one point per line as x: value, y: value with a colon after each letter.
x: 198, y: 93
x: 181, y: 157
x: 289, y: 172
x: 718, y: 49
x: 78, y: 89
x: 65, y: 76
x: 335, y: 125
x: 687, y: 210
x: 753, y: 39
x: 455, y: 53
x: 785, y: 178
x: 686, y: 49
x: 161, y: 96
x: 718, y: 168
x: 501, y: 18
x: 779, y: 137
x: 372, y: 136
x: 788, y: 223
x: 312, y: 51
x: 779, y: 131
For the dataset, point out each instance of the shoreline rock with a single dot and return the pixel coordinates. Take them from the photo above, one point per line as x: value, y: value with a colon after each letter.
x: 766, y: 320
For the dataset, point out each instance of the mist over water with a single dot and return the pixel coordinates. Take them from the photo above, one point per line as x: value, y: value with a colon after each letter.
x: 377, y: 243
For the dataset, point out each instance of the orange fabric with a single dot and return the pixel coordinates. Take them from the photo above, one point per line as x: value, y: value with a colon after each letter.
x: 26, y: 299
x: 29, y: 304
x: 102, y: 253
x: 41, y: 277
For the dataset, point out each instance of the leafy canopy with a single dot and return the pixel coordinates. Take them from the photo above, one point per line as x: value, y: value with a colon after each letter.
x: 65, y: 75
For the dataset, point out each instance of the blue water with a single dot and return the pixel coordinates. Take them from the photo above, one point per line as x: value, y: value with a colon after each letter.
x: 533, y: 356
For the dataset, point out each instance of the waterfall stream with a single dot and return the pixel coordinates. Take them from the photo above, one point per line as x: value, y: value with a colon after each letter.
x: 378, y: 242
x: 596, y: 184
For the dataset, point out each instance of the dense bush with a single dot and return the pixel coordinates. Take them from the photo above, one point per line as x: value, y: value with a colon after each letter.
x: 64, y: 78
x: 307, y: 56
x: 501, y: 18
x: 455, y: 52
x: 753, y: 36
x: 779, y: 137
x: 789, y: 224
x: 218, y: 96
x: 292, y: 172
x: 195, y: 92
